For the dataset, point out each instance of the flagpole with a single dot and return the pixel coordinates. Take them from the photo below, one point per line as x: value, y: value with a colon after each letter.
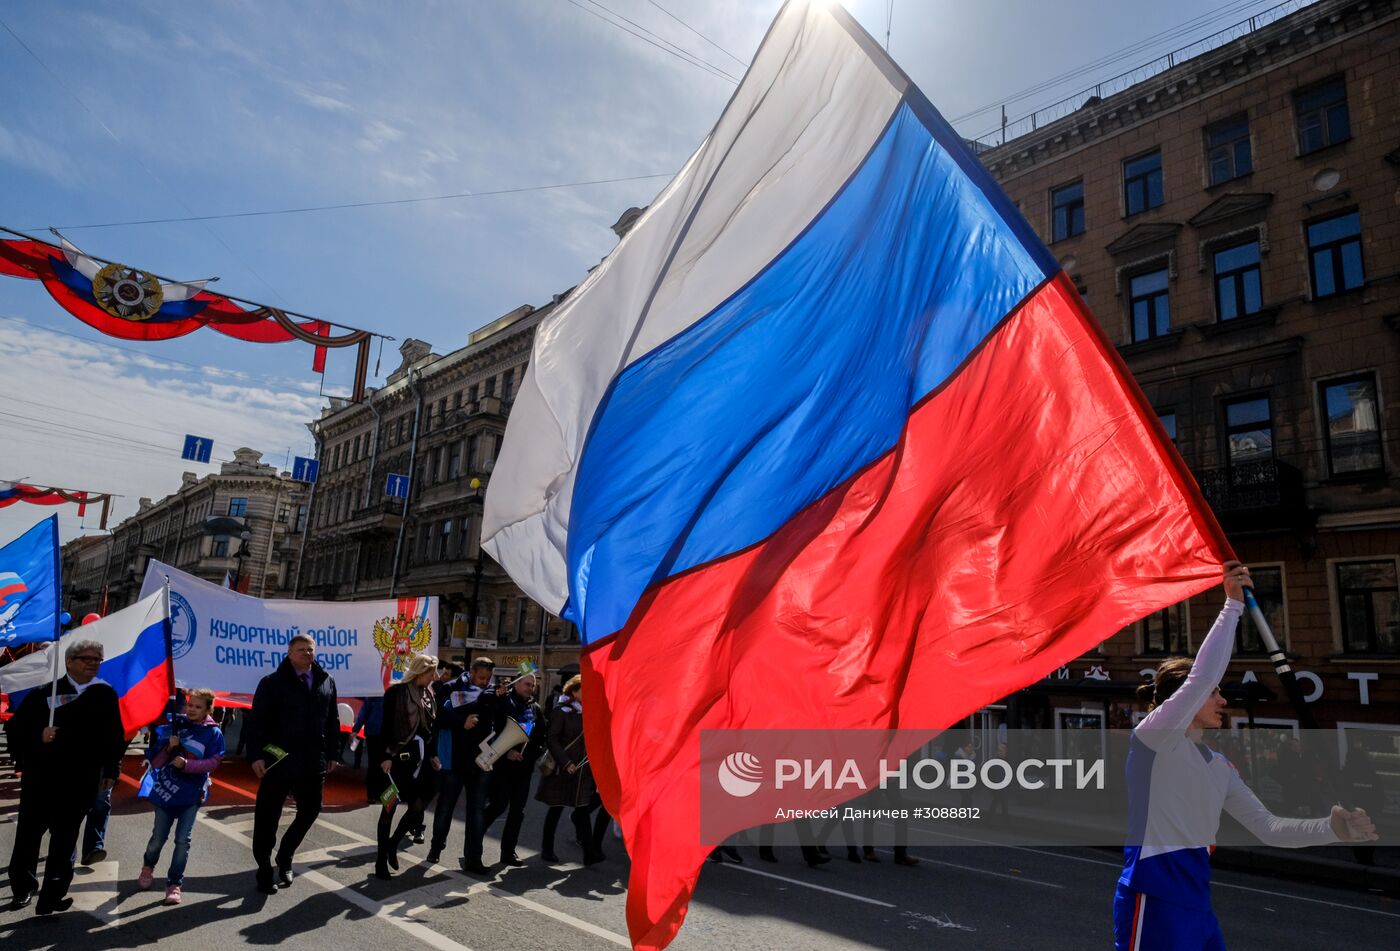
x: 53, y: 690
x: 170, y: 653
x: 1286, y: 676
x: 57, y: 618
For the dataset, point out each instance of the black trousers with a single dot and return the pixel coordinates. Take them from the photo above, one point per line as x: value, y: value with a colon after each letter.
x: 59, y: 810
x: 306, y: 789
x: 510, y: 790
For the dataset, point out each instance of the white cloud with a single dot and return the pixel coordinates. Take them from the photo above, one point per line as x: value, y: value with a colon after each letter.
x: 36, y: 155
x: 86, y: 416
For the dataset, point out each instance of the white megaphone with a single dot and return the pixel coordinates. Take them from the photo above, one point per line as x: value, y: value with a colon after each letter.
x: 499, y: 744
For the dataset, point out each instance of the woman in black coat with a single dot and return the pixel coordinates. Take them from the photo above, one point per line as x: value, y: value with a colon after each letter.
x: 409, y: 763
x: 571, y: 782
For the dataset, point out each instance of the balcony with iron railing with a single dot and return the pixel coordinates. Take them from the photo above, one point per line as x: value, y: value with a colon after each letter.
x: 1254, y: 495
x: 377, y: 517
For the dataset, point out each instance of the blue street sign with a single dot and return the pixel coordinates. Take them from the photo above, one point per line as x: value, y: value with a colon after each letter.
x: 304, y: 469
x: 197, y: 448
x: 396, y: 485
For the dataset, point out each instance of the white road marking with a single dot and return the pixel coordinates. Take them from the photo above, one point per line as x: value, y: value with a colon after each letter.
x: 1215, y: 881
x: 487, y: 887
x: 983, y: 871
x: 94, y: 891
x: 811, y: 885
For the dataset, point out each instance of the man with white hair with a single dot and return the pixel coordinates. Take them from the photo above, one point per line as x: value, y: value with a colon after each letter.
x: 63, y: 766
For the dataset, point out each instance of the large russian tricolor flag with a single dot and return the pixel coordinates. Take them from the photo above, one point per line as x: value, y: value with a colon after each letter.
x: 827, y: 442
x: 136, y: 658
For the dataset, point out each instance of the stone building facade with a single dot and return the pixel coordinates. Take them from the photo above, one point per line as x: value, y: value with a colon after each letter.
x: 436, y: 428
x: 1234, y: 225
x: 105, y: 573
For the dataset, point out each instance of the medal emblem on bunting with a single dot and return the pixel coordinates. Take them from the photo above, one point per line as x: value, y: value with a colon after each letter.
x: 126, y: 292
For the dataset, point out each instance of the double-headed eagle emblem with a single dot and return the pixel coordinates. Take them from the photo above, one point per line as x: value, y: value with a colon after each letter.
x: 397, y: 639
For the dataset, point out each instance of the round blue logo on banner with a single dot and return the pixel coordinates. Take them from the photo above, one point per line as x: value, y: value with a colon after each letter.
x: 182, y: 626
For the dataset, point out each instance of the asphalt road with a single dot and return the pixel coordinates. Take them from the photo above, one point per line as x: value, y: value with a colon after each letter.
x: 962, y: 896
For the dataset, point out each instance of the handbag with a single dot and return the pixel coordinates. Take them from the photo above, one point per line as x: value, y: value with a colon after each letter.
x: 547, y: 763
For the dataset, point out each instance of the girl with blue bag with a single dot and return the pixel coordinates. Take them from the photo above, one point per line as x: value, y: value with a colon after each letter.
x: 182, y: 755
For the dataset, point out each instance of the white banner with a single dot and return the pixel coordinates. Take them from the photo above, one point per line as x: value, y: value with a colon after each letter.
x: 224, y: 640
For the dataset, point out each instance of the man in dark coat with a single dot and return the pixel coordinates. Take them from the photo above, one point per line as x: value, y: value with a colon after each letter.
x: 293, y: 734
x: 64, y: 766
x: 511, y: 774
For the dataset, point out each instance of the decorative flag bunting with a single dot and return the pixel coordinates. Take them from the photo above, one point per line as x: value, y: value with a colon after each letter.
x: 29, y: 586
x: 12, y: 492
x: 831, y: 414
x: 125, y: 302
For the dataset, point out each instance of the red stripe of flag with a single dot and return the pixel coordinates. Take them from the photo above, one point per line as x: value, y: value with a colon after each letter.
x: 1030, y: 510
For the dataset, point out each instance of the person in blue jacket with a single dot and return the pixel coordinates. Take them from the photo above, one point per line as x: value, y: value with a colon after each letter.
x: 182, y: 755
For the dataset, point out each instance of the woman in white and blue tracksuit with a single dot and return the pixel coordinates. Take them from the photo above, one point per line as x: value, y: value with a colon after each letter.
x: 1177, y: 787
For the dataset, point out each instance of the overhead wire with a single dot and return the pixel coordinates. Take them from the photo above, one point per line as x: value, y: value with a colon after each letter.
x: 362, y: 204
x: 1109, y: 59
x: 139, y: 160
x: 665, y: 45
x: 702, y: 36
x: 236, y: 375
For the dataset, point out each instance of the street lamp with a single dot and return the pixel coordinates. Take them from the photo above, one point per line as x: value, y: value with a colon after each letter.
x: 242, y: 553
x: 477, y: 570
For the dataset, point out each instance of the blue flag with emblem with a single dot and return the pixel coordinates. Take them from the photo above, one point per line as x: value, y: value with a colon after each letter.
x: 29, y: 586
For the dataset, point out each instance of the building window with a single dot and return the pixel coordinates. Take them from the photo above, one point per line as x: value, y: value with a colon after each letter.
x: 491, y: 387
x: 1067, y: 211
x: 454, y: 459
x: 1268, y: 591
x: 1168, y: 420
x: 1238, y: 292
x: 1352, y: 430
x: 508, y: 385
x: 1142, y: 182
x: 473, y: 448
x: 1249, y: 431
x: 501, y: 619
x: 237, y: 508
x: 1369, y: 606
x: 1147, y: 300
x: 445, y: 540
x: 522, y: 614
x: 1227, y: 149
x: 284, y: 512
x: 473, y: 393
x: 300, y: 524
x: 403, y: 425
x: 1321, y: 112
x: 220, y: 547
x: 496, y: 440
x: 1164, y: 631
x: 1334, y: 254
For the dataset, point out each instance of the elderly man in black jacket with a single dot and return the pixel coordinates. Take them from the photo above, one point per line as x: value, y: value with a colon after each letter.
x: 64, y: 766
x: 293, y: 733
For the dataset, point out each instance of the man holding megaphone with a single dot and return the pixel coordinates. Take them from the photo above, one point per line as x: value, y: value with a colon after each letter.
x: 510, y: 761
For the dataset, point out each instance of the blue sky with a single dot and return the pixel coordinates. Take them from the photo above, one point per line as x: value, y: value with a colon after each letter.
x: 148, y: 110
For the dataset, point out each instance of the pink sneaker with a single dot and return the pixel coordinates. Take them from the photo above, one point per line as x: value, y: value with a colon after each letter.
x: 172, y: 894
x: 146, y: 878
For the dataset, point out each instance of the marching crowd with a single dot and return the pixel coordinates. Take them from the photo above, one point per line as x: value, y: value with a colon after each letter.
x: 438, y: 736
x: 442, y: 735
